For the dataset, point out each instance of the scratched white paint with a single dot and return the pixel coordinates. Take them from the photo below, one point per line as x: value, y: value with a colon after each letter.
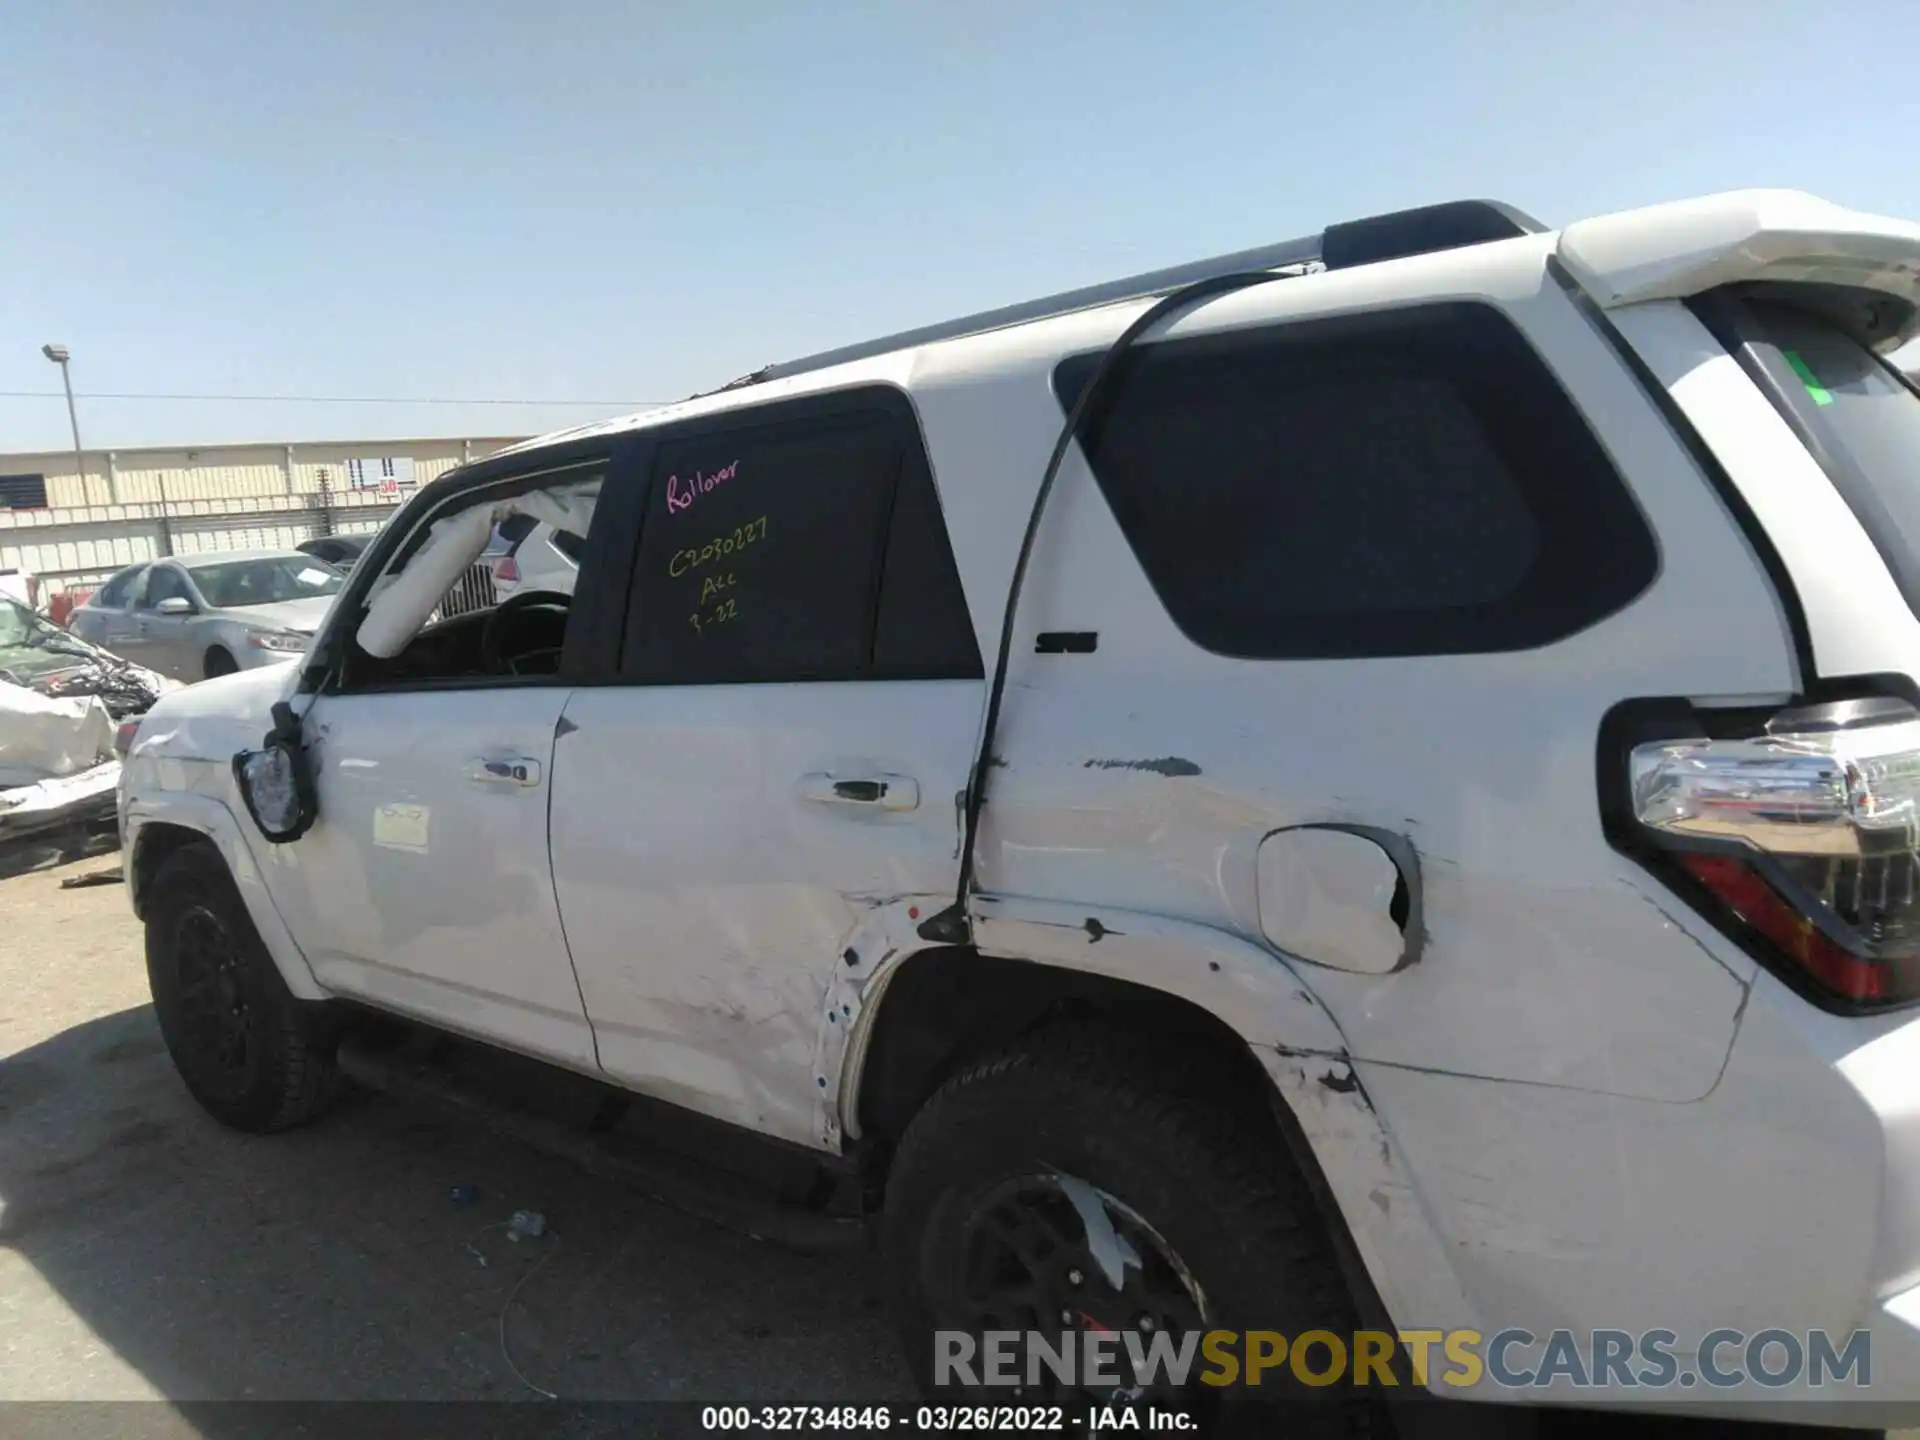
x: 708, y: 900
x: 1539, y: 965
x: 466, y: 930
x: 1579, y: 1107
x: 871, y: 953
x: 1767, y: 1203
x: 1327, y: 897
x: 180, y: 772
x: 1264, y: 998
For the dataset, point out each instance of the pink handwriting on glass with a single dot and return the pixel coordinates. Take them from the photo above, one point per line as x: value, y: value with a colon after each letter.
x: 682, y: 493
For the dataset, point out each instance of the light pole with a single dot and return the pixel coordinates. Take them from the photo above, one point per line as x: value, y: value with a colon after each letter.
x: 59, y: 355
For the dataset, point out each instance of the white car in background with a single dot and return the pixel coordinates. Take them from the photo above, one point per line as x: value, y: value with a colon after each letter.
x: 527, y: 555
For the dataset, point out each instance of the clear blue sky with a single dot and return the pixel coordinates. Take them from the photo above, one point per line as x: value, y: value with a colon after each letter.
x: 631, y: 201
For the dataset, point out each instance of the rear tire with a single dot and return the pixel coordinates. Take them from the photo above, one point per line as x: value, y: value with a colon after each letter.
x: 220, y: 662
x: 1179, y: 1168
x: 254, y: 1057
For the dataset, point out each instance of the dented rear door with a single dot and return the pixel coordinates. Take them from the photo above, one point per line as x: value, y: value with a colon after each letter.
x: 780, y: 758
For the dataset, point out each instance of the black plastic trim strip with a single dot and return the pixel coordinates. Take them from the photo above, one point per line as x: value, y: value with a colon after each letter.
x: 1424, y: 231
x: 591, y: 647
x: 1066, y: 642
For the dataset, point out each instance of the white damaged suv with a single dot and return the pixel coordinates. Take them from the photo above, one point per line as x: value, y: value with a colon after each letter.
x: 1370, y: 783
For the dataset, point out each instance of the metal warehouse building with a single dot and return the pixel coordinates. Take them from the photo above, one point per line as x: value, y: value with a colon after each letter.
x: 72, y: 525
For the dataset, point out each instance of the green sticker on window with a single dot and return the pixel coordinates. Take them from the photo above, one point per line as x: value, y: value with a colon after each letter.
x: 1819, y: 392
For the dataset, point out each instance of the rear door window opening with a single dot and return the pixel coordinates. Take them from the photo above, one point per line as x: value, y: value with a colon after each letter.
x: 809, y: 545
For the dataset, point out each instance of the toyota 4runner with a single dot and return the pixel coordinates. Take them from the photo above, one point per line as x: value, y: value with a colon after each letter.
x: 1374, y: 781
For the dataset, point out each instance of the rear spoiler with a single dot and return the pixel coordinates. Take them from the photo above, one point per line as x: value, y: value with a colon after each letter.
x: 1671, y: 252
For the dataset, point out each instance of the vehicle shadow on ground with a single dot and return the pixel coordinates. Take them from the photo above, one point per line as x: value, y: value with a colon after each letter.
x: 332, y: 1263
x: 61, y: 845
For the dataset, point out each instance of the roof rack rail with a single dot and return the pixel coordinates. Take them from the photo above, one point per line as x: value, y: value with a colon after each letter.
x: 1340, y: 247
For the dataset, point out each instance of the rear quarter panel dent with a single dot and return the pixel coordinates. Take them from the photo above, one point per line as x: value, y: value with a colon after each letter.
x: 1261, y: 997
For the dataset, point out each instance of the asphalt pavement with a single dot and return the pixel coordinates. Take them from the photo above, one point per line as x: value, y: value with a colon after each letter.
x: 146, y: 1252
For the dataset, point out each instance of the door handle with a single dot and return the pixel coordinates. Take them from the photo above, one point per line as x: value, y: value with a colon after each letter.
x: 512, y: 770
x: 879, y: 792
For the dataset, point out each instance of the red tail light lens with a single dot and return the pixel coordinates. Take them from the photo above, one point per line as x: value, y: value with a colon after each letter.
x: 1806, y: 840
x: 1749, y: 898
x: 123, y: 734
x: 506, y: 570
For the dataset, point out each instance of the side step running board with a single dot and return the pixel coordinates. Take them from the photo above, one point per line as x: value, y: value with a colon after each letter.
x: 676, y: 1181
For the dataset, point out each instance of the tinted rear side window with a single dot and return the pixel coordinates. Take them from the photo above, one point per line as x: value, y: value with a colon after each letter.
x: 1402, y: 484
x: 116, y: 591
x: 799, y: 549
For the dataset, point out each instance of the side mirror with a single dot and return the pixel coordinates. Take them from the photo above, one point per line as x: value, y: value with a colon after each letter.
x: 276, y: 781
x: 174, y: 605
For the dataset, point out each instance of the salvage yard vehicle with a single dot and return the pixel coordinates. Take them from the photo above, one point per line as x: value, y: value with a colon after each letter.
x: 37, y: 654
x: 1373, y: 782
x: 196, y: 616
x: 67, y: 712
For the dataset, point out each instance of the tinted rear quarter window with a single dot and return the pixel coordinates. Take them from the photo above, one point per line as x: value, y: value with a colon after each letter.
x: 1407, y: 483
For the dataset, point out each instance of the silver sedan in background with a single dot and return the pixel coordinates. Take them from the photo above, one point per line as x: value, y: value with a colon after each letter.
x: 192, y: 617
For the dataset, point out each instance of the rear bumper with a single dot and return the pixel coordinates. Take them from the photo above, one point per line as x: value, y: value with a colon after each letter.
x: 1885, y: 1397
x: 1780, y: 1208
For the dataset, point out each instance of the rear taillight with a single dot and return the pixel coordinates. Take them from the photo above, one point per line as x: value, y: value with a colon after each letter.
x: 1804, y: 839
x: 506, y: 570
x: 123, y: 734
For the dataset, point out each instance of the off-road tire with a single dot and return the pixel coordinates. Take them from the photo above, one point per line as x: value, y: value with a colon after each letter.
x: 1147, y: 1124
x: 287, y: 1074
x: 219, y: 662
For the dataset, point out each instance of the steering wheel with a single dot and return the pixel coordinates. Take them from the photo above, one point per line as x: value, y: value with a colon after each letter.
x: 490, y: 657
